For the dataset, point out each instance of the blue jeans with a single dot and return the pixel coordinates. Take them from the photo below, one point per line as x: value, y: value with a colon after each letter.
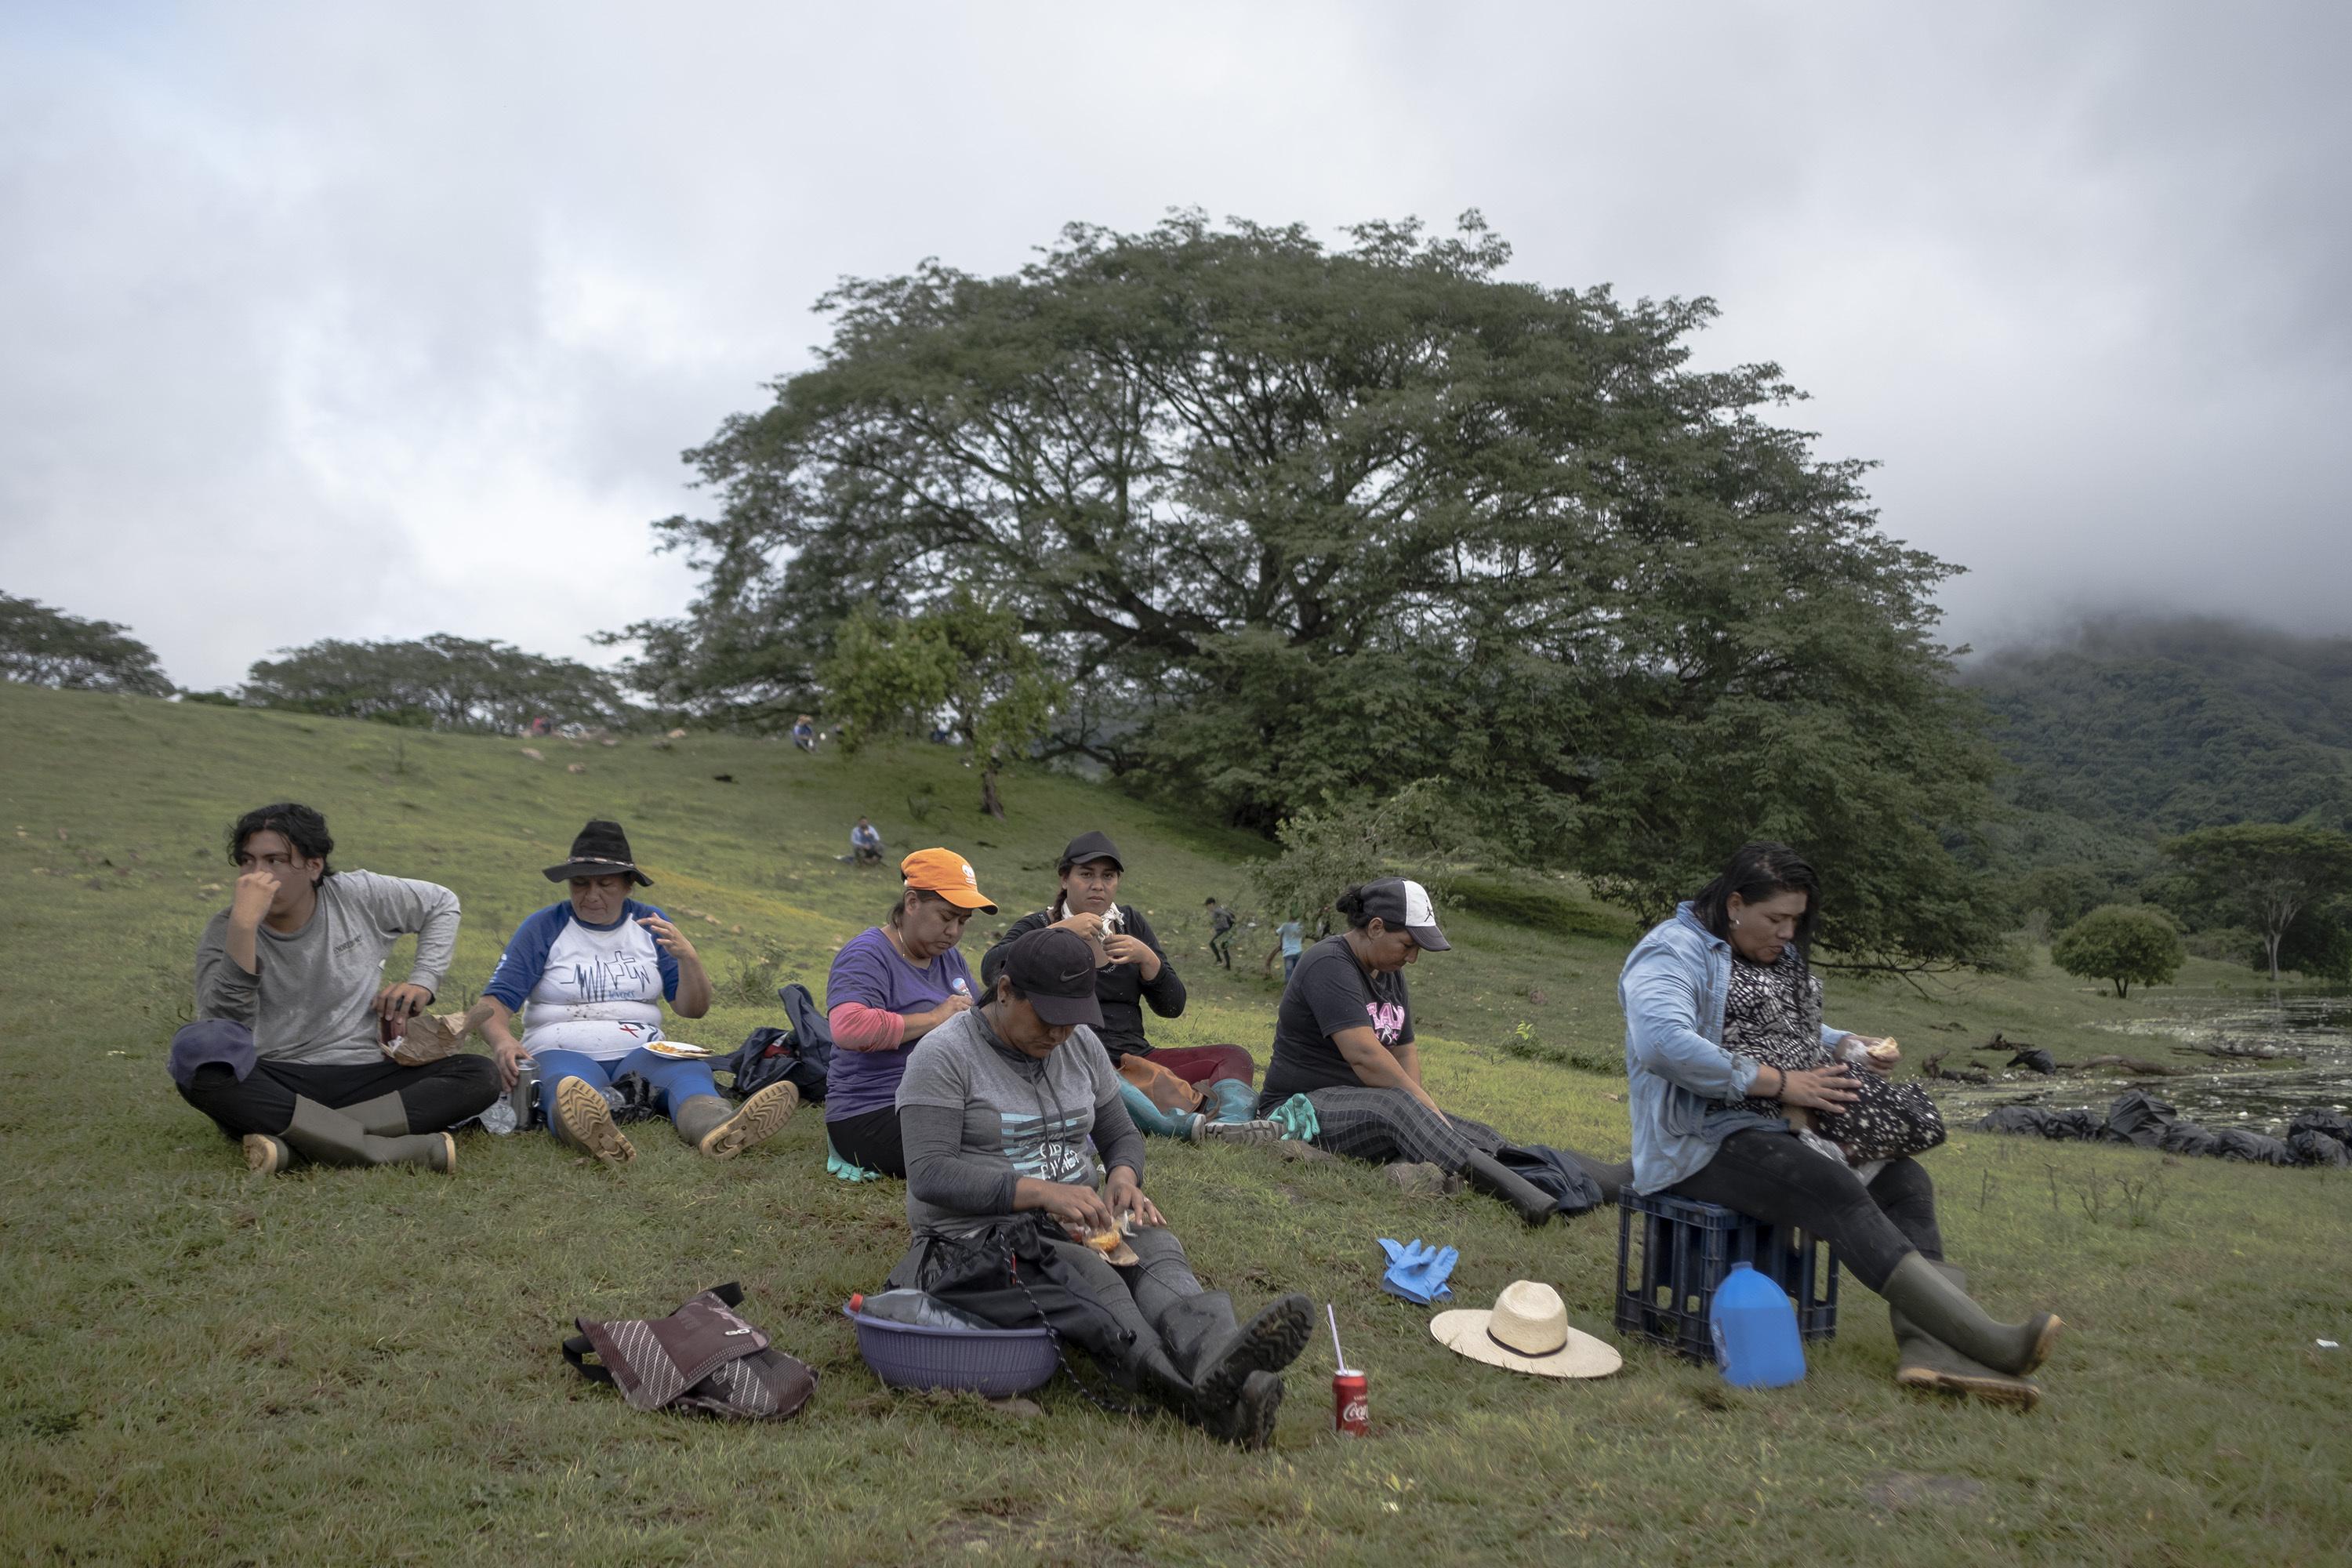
x: 1289, y: 963
x: 675, y: 1082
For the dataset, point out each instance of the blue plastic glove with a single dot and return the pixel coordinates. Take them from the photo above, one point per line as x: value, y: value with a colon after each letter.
x: 1417, y: 1272
x: 1298, y: 1116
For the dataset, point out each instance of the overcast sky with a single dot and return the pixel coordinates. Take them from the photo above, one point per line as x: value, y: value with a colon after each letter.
x: 373, y: 320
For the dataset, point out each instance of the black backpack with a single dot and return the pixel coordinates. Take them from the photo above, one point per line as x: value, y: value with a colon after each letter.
x: 799, y: 1054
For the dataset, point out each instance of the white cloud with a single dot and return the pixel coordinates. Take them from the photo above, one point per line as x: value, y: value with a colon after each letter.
x: 374, y: 320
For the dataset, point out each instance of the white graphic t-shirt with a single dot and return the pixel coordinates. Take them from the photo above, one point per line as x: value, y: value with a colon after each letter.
x: 597, y: 990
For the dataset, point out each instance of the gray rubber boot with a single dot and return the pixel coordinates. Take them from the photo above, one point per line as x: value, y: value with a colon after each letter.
x: 384, y: 1116
x: 1267, y: 1342
x: 582, y: 1118
x: 1923, y: 1360
x: 1491, y: 1176
x: 331, y: 1138
x: 708, y: 1125
x: 1937, y: 1307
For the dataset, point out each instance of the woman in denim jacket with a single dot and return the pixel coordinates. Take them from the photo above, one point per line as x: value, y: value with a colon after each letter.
x: 1707, y: 995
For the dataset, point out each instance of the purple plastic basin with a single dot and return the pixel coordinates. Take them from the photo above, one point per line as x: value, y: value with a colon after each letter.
x: 991, y: 1363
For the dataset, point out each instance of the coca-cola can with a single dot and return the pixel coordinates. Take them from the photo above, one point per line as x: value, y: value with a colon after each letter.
x: 1349, y: 1412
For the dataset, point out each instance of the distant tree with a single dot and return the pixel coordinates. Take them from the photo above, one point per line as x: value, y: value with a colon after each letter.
x: 42, y: 646
x: 2269, y: 873
x: 441, y: 682
x: 1296, y: 523
x: 2319, y: 945
x: 2066, y: 892
x: 2126, y: 944
x: 961, y: 660
x: 1417, y: 832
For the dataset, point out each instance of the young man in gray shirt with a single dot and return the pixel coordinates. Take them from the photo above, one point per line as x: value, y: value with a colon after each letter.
x: 287, y: 1052
x: 995, y: 1111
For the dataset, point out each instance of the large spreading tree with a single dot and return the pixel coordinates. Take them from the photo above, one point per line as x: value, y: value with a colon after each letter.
x: 438, y: 682
x: 2271, y: 874
x: 1302, y: 526
x: 45, y: 647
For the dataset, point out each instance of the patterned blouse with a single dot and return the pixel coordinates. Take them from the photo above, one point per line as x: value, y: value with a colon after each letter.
x: 1773, y: 1014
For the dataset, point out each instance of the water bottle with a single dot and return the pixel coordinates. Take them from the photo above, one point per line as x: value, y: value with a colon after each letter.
x: 1754, y: 1325
x: 914, y: 1306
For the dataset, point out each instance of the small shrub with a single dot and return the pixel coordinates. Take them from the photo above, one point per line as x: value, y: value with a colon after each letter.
x: 2124, y: 944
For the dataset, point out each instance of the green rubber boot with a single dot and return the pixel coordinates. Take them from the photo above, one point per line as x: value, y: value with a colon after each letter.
x: 1933, y: 1305
x: 384, y: 1116
x: 1923, y: 1360
x: 327, y: 1137
x: 711, y: 1126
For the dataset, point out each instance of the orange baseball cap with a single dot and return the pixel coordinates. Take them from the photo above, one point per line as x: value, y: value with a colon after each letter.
x: 948, y: 874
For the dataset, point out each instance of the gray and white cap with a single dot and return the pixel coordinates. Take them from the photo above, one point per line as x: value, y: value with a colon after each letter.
x: 1399, y: 901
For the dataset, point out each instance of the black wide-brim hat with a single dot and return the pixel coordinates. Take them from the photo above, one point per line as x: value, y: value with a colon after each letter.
x: 601, y: 850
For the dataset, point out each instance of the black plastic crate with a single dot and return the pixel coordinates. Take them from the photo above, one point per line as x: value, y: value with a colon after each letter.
x: 1665, y: 1290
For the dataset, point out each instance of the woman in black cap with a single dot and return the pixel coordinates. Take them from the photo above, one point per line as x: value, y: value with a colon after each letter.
x: 1003, y: 1109
x: 1131, y: 973
x: 1343, y: 1038
x: 590, y: 974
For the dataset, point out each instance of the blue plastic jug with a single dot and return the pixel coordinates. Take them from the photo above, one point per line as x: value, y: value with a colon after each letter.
x: 1754, y: 1325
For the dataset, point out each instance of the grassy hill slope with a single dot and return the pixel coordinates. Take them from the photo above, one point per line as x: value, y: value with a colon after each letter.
x: 362, y: 1366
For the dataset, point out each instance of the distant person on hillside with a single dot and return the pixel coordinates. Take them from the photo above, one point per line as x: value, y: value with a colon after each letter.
x: 804, y: 732
x: 1170, y: 1091
x: 890, y: 985
x: 1221, y: 933
x: 1343, y: 1038
x: 1022, y: 1166
x: 1730, y: 1069
x: 289, y: 1052
x: 1290, y: 942
x: 589, y: 974
x: 865, y: 843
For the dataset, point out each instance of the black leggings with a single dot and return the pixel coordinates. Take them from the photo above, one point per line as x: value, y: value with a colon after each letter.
x: 436, y: 1095
x: 1774, y: 1177
x: 870, y: 1139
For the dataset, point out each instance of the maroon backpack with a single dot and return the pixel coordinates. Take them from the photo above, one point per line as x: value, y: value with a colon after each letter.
x: 702, y: 1357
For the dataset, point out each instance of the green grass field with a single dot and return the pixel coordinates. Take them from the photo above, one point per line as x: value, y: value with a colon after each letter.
x: 202, y: 1366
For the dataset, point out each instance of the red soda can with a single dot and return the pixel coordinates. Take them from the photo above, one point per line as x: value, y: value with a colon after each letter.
x: 1348, y: 1412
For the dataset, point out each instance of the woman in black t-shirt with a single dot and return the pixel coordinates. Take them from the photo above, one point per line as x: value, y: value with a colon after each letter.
x: 1343, y: 1038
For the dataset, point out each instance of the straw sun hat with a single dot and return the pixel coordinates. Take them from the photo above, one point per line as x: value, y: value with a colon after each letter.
x: 1527, y: 1331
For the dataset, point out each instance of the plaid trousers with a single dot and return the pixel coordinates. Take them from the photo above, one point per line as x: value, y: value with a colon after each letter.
x: 1386, y: 1124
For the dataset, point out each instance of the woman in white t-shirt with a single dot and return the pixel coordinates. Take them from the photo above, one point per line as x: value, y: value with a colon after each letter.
x: 589, y: 976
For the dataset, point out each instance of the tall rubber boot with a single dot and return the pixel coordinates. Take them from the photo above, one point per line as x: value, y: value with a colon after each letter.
x: 1491, y: 1176
x: 1267, y: 1342
x: 331, y: 1138
x: 1150, y: 1118
x: 1940, y: 1308
x: 1923, y: 1360
x: 385, y: 1116
x: 582, y: 1117
x: 708, y: 1125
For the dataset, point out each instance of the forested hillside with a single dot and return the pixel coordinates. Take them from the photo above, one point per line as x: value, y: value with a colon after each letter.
x: 2145, y: 727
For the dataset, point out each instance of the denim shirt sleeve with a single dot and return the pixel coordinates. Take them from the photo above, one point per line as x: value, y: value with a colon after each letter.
x: 1662, y: 1014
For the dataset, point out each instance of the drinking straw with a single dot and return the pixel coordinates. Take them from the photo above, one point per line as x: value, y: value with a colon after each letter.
x: 1335, y: 1355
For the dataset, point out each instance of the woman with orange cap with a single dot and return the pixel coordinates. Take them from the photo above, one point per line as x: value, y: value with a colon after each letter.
x: 890, y: 985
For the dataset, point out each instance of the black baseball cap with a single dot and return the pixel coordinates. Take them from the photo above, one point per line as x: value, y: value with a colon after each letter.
x: 1399, y: 902
x: 1055, y: 972
x: 1089, y: 847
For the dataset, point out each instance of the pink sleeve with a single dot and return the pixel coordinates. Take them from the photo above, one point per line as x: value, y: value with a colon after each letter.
x: 857, y: 1027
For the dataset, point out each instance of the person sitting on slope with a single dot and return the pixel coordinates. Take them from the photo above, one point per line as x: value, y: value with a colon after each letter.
x: 290, y: 1047
x: 589, y: 974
